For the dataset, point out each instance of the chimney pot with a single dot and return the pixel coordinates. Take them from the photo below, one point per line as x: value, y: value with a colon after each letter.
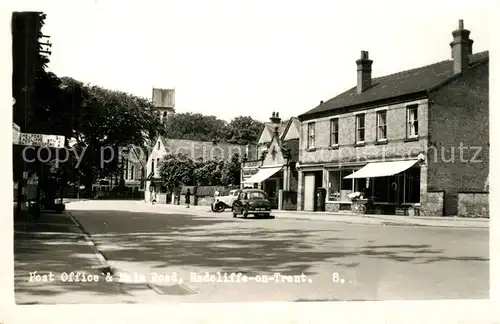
x: 321, y: 103
x: 277, y: 114
x: 364, y: 65
x: 461, y: 48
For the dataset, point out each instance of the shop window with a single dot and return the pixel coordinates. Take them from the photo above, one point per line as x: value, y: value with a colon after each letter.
x: 360, y: 184
x: 338, y: 187
x: 334, y: 181
x: 381, y: 189
x: 412, y: 185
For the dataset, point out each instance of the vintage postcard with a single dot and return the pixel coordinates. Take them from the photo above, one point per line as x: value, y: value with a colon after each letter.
x: 245, y: 152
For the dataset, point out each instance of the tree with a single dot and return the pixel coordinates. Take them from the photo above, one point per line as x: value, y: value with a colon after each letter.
x: 231, y: 172
x: 207, y: 173
x: 108, y: 121
x: 176, y: 171
x: 195, y: 127
x: 243, y: 130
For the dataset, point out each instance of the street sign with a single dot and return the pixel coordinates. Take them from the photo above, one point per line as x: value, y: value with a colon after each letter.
x: 30, y: 139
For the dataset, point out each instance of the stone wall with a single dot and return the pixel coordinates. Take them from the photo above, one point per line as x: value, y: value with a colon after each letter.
x: 332, y: 207
x: 289, y: 200
x: 161, y: 198
x: 204, y: 200
x: 473, y: 204
x: 433, y: 203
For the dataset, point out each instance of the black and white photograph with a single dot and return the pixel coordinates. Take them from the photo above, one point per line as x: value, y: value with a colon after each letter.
x: 245, y: 152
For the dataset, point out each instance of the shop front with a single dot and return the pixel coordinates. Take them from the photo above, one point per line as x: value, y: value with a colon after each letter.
x: 392, y: 186
x: 269, y: 179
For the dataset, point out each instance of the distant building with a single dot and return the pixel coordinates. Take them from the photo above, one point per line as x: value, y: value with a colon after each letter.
x: 195, y: 150
x: 274, y: 168
x: 164, y: 102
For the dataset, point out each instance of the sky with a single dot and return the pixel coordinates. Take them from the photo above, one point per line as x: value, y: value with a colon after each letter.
x: 249, y: 57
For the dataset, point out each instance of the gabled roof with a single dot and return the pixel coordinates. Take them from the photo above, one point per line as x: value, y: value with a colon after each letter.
x: 292, y: 121
x: 281, y: 127
x: 396, y: 85
x: 269, y: 127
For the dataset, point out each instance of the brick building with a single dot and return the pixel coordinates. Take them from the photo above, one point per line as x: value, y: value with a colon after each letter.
x: 417, y: 136
x: 274, y: 169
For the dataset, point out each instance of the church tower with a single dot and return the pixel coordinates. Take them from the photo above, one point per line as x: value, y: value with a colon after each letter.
x: 164, y: 102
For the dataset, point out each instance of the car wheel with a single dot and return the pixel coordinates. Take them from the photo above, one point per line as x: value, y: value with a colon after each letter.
x: 234, y: 213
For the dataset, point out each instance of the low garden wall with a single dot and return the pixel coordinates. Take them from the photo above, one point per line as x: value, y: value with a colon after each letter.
x: 433, y: 202
x: 202, y: 195
x: 473, y: 204
x: 289, y: 200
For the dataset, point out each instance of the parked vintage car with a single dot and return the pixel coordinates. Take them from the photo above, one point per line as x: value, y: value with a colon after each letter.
x: 222, y: 202
x: 251, y: 201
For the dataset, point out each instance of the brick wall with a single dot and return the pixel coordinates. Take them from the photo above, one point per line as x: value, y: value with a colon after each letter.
x: 396, y: 146
x: 458, y: 114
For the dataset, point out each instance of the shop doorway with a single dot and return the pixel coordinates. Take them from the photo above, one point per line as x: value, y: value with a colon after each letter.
x: 312, y: 180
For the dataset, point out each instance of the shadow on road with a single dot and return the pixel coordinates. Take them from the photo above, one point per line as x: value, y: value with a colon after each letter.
x: 54, y: 246
x: 227, y: 244
x: 231, y: 245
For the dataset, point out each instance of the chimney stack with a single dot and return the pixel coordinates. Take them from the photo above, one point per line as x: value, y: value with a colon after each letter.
x: 461, y: 48
x: 275, y: 119
x: 364, y: 72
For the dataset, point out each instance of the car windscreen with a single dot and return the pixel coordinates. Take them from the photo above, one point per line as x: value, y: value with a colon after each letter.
x: 253, y: 195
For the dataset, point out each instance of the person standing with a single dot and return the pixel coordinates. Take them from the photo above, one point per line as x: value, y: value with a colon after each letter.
x: 188, y: 198
x: 152, y: 197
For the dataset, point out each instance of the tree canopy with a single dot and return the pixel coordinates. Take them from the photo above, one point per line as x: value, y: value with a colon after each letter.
x: 195, y: 126
x: 179, y: 170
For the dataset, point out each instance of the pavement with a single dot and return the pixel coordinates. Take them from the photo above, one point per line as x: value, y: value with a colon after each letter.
x: 47, y: 252
x: 346, y: 217
x: 151, y: 248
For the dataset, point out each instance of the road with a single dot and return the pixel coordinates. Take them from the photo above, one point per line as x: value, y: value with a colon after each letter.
x: 339, y: 261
